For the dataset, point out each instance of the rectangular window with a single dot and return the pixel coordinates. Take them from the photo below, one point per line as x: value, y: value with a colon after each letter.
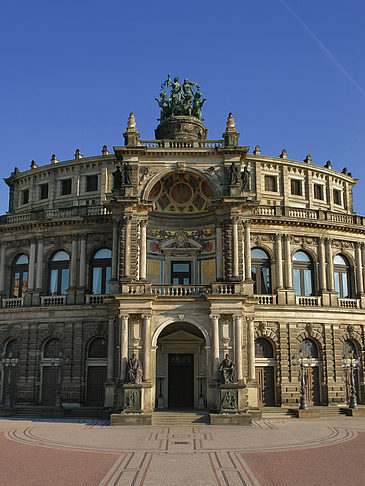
x: 337, y: 197
x: 64, y: 280
x: 66, y: 186
x: 108, y: 276
x: 97, y: 275
x: 53, y: 282
x: 296, y: 187
x: 296, y: 281
x: 91, y: 183
x: 43, y: 191
x: 25, y: 196
x: 318, y: 191
x: 270, y: 183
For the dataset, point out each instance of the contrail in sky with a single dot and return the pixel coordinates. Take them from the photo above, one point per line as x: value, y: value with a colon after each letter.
x: 324, y: 48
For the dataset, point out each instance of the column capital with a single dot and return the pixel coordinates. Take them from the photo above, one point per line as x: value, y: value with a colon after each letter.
x: 123, y: 315
x: 214, y: 316
x: 146, y: 315
x: 143, y: 222
x: 250, y: 319
x: 247, y: 223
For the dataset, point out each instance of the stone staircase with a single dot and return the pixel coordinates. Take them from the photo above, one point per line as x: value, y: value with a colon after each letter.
x: 168, y: 418
x: 277, y: 413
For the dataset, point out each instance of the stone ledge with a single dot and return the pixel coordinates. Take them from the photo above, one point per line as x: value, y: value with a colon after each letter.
x: 130, y: 419
x: 354, y: 412
x: 309, y: 413
x: 230, y: 419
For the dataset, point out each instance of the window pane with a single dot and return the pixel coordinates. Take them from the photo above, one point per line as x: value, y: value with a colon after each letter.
x: 60, y: 256
x: 300, y: 256
x: 64, y: 281
x: 258, y: 253
x: 337, y: 282
x: 175, y: 281
x: 181, y: 267
x: 97, y: 273
x: 338, y: 260
x: 24, y: 283
x: 108, y: 272
x: 344, y: 285
x: 22, y: 260
x: 53, y: 283
x: 103, y: 253
x: 296, y: 281
x: 254, y: 278
x: 307, y: 282
x: 265, y: 288
x: 16, y: 288
x: 186, y: 281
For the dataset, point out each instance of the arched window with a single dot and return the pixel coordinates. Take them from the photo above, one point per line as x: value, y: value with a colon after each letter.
x: 19, y: 276
x: 11, y: 349
x: 52, y: 349
x: 302, y: 274
x: 342, y: 276
x: 260, y: 268
x: 59, y: 273
x: 101, y: 271
x: 308, y: 349
x: 98, y: 348
x: 263, y: 348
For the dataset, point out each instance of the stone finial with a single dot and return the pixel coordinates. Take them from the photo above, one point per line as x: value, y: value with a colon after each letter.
x: 33, y: 165
x: 308, y: 159
x: 78, y: 154
x: 345, y: 171
x: 16, y: 170
x: 231, y: 125
x: 105, y: 150
x: 54, y: 159
x: 328, y: 164
x: 284, y: 154
x: 257, y: 150
x: 131, y: 125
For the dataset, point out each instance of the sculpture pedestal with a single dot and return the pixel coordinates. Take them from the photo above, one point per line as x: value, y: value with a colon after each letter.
x: 232, y: 405
x: 136, y: 407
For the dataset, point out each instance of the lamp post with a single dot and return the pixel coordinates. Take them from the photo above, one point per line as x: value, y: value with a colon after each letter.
x: 58, y: 362
x: 349, y: 356
x: 160, y: 401
x: 303, y: 396
x: 9, y: 362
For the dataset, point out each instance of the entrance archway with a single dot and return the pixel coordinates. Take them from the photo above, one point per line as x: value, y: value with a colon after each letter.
x: 181, y: 368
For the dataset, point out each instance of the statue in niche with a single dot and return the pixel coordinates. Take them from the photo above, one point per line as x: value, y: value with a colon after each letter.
x: 245, y: 177
x: 127, y: 173
x: 134, y: 370
x: 227, y: 371
x: 117, y: 178
x: 233, y: 174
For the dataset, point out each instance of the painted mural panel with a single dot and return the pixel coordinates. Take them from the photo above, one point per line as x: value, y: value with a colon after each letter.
x: 208, y: 271
x: 154, y: 271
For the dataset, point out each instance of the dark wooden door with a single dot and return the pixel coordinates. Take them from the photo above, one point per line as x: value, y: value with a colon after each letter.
x: 265, y: 378
x: 13, y: 384
x: 49, y: 385
x: 313, y: 395
x: 181, y: 380
x: 96, y: 378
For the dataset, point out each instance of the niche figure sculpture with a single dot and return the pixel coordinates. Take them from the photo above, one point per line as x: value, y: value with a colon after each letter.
x: 227, y: 371
x: 134, y: 370
x: 127, y: 173
x: 245, y: 177
x: 233, y: 174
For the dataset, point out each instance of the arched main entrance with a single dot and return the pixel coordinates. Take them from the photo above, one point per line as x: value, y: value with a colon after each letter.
x: 181, y: 369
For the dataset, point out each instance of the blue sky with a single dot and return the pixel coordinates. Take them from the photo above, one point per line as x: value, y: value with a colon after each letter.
x: 292, y: 73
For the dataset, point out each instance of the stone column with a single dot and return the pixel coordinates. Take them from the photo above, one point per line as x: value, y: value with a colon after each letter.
x: 38, y: 282
x: 238, y: 347
x: 110, y: 369
x: 248, y: 275
x: 251, y: 348
x: 219, y: 250
x: 146, y: 347
x: 82, y: 272
x: 31, y: 274
x: 288, y: 264
x: 2, y: 268
x: 360, y: 286
x: 363, y: 260
x: 73, y: 269
x: 322, y: 266
x: 279, y: 261
x: 127, y: 247
x: 235, y: 248
x: 124, y: 337
x: 215, y: 347
x: 330, y: 276
x: 114, y: 273
x: 143, y: 250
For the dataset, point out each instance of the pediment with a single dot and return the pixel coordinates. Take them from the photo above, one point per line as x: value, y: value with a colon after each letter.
x: 181, y: 336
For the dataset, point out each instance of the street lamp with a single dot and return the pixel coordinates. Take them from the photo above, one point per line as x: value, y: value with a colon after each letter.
x: 349, y: 356
x: 304, y: 362
x: 9, y: 362
x: 58, y: 362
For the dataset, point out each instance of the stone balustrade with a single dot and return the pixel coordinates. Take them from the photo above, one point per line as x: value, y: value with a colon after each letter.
x: 95, y: 298
x: 308, y: 300
x: 53, y: 300
x: 180, y: 290
x: 349, y: 303
x: 266, y: 299
x: 14, y: 302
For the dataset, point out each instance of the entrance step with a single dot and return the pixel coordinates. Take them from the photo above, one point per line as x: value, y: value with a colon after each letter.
x: 180, y: 418
x: 277, y: 413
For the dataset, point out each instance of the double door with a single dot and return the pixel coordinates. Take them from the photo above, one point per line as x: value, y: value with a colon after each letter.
x: 312, y: 386
x: 265, y: 377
